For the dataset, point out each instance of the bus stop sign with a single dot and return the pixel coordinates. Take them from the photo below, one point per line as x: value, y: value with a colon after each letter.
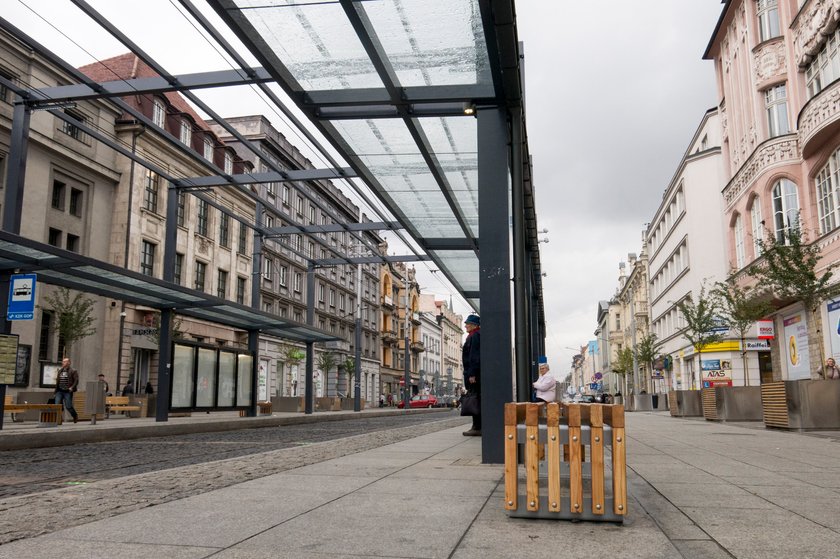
x: 21, y: 297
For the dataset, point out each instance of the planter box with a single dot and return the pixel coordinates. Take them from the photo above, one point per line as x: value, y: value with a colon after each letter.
x: 801, y: 404
x: 644, y: 402
x: 732, y: 403
x: 288, y: 403
x: 347, y: 403
x: 328, y: 404
x: 685, y: 403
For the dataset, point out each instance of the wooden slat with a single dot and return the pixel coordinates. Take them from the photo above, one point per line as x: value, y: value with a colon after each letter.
x: 552, y: 425
x: 709, y: 403
x: 575, y: 465
x: 596, y: 422
x: 672, y: 402
x: 511, y: 465
x: 619, y: 467
x: 532, y: 461
x: 774, y: 404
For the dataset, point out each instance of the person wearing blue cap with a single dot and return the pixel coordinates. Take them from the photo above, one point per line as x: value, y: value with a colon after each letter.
x: 545, y: 385
x: 471, y: 358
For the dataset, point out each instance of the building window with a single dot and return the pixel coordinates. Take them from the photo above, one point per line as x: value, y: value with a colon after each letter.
x: 768, y: 19
x: 228, y: 163
x: 179, y: 268
x: 617, y: 321
x: 739, y: 242
x: 182, y: 208
x: 186, y: 132
x: 158, y: 113
x: 240, y: 290
x: 71, y: 129
x: 72, y: 243
x: 757, y: 226
x: 268, y: 306
x: 825, y: 67
x: 828, y: 197
x: 285, y: 195
x: 221, y: 284
x: 269, y: 221
x: 45, y: 336
x: 282, y: 274
x: 58, y: 193
x: 242, y: 245
x: 202, y: 217
x: 297, y: 280
x: 775, y: 101
x: 271, y: 191
x: 332, y: 298
x: 5, y: 92
x: 147, y: 258
x: 224, y: 230
x: 200, y: 274
x: 150, y: 196
x: 268, y: 268
x: 785, y: 209
x: 300, y: 206
x: 311, y: 215
x: 54, y: 237
x: 76, y: 202
x: 208, y: 149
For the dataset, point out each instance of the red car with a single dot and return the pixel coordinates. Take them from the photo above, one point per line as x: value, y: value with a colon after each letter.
x: 420, y: 401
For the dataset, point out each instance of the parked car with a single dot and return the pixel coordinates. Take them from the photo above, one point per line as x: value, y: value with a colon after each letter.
x: 420, y: 401
x: 446, y: 402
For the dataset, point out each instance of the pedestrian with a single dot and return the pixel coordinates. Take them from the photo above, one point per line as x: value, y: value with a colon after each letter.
x: 67, y: 383
x: 390, y: 399
x: 545, y: 385
x: 471, y: 358
x: 128, y: 389
x: 149, y: 388
x: 104, y: 383
x: 831, y: 370
x: 382, y: 400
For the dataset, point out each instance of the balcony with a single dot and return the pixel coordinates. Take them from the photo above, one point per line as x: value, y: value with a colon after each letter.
x: 387, y: 302
x: 819, y: 118
x: 388, y: 336
x: 771, y: 153
x: 418, y: 347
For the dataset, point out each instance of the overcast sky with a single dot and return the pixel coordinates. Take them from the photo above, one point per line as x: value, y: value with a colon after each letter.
x: 615, y: 90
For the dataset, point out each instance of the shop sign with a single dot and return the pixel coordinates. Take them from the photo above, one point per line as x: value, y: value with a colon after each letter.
x: 757, y: 345
x: 766, y: 330
x: 716, y: 372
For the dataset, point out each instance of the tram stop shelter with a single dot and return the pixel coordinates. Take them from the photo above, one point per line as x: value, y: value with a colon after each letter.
x: 424, y: 100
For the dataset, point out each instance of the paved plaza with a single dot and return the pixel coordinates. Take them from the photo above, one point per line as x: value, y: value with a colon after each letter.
x: 697, y: 489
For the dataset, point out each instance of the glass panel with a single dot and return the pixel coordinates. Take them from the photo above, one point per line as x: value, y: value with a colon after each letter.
x: 110, y: 289
x: 205, y: 389
x: 227, y: 379
x: 243, y: 380
x: 462, y: 264
x: 431, y: 42
x: 315, y: 41
x: 183, y: 360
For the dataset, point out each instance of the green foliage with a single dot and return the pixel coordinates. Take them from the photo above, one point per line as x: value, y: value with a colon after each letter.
x: 623, y: 363
x: 74, y: 315
x: 647, y: 349
x: 789, y: 269
x: 739, y: 309
x: 326, y: 361
x: 292, y: 354
x: 175, y: 331
x: 700, y: 318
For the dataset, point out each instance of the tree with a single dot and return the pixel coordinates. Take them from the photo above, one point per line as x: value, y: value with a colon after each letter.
x: 175, y: 331
x: 75, y: 317
x: 740, y: 310
x: 701, y: 318
x: 623, y: 363
x: 647, y: 349
x: 349, y: 365
x: 326, y: 362
x: 789, y: 269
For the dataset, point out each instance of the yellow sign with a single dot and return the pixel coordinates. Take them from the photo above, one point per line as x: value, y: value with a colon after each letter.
x: 725, y: 345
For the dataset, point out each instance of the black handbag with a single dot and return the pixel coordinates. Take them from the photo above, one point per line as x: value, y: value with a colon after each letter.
x: 470, y: 404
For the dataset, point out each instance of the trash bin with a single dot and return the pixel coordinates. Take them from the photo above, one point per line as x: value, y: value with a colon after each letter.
x: 94, y: 399
x: 655, y: 401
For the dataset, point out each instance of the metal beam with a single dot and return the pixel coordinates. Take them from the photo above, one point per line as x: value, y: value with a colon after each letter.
x: 157, y: 84
x: 389, y: 111
x: 465, y: 93
x: 333, y: 228
x: 271, y: 176
x: 432, y: 243
x: 368, y: 260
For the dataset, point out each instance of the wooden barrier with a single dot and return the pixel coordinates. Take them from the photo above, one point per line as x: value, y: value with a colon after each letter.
x: 263, y: 408
x: 559, y: 481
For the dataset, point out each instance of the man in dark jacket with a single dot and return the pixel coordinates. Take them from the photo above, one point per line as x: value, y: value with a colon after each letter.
x: 67, y: 382
x: 471, y: 358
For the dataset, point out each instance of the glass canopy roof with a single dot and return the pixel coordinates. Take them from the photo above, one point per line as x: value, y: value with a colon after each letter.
x: 402, y: 72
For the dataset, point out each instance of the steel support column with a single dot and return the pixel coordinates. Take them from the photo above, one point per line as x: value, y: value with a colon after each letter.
x: 13, y: 207
x: 523, y: 366
x: 494, y: 270
x: 164, y: 388
x: 310, y: 349
x: 254, y: 335
x: 253, y: 347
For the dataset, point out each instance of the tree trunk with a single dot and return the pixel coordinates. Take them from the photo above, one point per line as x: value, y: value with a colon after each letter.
x: 744, y: 360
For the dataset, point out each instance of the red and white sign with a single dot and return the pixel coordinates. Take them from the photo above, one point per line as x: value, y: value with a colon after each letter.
x: 766, y: 331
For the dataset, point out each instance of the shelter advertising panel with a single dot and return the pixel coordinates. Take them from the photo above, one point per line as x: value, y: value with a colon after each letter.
x: 795, y: 344
x: 8, y: 358
x: 834, y: 328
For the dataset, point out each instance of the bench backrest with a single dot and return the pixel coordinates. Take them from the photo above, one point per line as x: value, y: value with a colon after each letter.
x: 116, y: 400
x: 7, y: 401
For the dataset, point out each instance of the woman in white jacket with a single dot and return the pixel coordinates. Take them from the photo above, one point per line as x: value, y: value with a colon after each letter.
x: 545, y: 386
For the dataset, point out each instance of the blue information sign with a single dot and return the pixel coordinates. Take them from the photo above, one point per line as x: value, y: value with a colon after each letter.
x: 21, y: 297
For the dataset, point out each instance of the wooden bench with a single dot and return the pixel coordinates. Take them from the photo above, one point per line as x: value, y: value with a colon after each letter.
x: 50, y: 414
x: 120, y: 404
x: 561, y: 484
x: 263, y: 408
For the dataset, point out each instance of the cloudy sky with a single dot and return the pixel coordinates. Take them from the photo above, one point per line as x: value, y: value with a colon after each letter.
x: 614, y: 94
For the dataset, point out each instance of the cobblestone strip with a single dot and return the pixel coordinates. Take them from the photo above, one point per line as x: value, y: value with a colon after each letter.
x: 34, y: 515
